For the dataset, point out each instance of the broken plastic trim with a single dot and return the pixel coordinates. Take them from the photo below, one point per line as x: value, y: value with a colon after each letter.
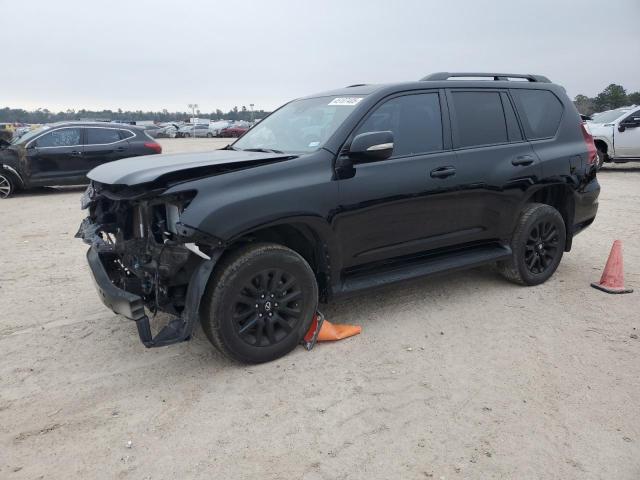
x: 131, y: 306
x: 181, y: 328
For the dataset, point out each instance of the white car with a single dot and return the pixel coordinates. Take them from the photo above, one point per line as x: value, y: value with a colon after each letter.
x: 216, y: 127
x: 616, y: 134
x: 189, y: 130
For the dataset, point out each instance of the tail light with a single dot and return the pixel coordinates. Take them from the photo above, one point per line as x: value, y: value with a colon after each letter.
x: 591, y: 147
x: 154, y: 146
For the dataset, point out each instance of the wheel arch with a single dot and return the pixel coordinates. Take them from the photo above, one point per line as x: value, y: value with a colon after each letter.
x: 14, y: 173
x: 561, y: 198
x: 310, y: 238
x: 601, y: 145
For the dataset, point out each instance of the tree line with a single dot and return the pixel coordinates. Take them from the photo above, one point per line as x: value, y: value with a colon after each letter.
x: 43, y: 115
x: 614, y: 96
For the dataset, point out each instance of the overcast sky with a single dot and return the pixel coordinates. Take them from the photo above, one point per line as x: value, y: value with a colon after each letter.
x: 150, y: 55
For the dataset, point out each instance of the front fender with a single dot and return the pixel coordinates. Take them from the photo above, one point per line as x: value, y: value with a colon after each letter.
x: 230, y: 204
x: 608, y: 142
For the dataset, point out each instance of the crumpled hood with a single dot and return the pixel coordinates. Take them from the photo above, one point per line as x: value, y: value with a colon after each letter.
x: 151, y: 168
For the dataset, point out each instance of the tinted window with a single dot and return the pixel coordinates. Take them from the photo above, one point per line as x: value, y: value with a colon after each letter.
x: 100, y: 136
x: 125, y: 134
x: 414, y: 120
x: 540, y: 110
x: 479, y: 118
x: 633, y: 116
x: 66, y: 137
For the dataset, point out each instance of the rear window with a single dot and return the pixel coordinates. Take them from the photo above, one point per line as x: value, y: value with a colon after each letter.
x: 479, y: 118
x: 101, y: 136
x: 540, y: 111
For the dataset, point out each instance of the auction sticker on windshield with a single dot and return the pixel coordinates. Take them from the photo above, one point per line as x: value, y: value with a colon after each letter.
x: 345, y: 101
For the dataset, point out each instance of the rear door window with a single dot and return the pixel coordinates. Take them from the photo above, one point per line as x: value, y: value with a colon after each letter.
x: 415, y: 121
x: 65, y: 137
x: 102, y: 136
x: 124, y: 134
x: 540, y: 111
x: 479, y: 118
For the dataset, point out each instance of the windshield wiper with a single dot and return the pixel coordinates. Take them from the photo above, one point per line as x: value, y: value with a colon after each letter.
x: 265, y: 150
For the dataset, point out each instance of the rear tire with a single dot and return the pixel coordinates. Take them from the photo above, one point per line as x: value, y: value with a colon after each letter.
x: 8, y: 184
x: 537, y: 244
x: 259, y: 303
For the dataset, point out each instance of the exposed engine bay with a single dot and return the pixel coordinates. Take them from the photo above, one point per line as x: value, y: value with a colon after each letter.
x: 143, y: 246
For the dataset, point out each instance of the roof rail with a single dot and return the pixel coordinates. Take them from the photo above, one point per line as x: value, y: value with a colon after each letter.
x: 496, y: 76
x: 356, y: 85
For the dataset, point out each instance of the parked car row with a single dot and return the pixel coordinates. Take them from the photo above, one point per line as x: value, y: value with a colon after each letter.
x: 214, y: 129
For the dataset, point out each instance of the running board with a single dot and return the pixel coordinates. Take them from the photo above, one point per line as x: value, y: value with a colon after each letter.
x: 443, y: 263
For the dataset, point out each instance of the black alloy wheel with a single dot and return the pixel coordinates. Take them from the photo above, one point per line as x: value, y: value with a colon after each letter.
x: 537, y: 245
x: 266, y: 309
x: 542, y: 247
x: 259, y: 303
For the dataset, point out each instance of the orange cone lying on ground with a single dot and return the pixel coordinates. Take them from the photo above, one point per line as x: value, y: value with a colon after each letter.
x: 612, y: 280
x: 323, y: 331
x: 329, y: 331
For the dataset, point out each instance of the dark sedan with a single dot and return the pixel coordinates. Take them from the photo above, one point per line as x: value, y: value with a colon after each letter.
x: 63, y: 153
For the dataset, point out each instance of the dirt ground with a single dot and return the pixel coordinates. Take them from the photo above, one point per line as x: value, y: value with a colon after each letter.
x: 460, y: 377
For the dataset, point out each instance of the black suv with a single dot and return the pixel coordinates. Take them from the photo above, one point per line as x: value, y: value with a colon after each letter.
x: 337, y: 193
x: 63, y: 153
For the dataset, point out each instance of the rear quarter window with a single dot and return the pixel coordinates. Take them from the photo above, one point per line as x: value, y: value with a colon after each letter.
x: 124, y: 134
x: 102, y: 136
x: 540, y: 112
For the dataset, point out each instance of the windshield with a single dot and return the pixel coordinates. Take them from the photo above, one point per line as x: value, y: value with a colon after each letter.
x: 301, y: 126
x: 606, y: 117
x: 28, y: 136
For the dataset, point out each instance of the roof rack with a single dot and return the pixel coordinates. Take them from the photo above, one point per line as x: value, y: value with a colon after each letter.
x: 496, y: 76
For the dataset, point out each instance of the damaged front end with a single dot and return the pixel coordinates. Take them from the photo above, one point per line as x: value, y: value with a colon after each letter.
x: 144, y: 259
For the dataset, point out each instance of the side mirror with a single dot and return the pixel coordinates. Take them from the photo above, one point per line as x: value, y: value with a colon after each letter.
x: 621, y: 128
x: 371, y: 146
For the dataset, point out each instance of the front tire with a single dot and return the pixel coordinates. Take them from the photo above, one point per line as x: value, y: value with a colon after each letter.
x: 602, y: 157
x: 8, y: 184
x: 260, y: 303
x: 537, y: 245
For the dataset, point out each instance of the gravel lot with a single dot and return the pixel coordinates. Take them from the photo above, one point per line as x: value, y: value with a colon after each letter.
x: 459, y: 377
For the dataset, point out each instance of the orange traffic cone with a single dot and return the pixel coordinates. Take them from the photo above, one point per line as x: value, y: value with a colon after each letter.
x: 323, y: 331
x: 612, y: 280
x: 329, y: 331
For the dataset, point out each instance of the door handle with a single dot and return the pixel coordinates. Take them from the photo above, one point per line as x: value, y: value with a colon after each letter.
x: 76, y: 153
x: 120, y: 149
x: 522, y: 160
x: 443, y: 172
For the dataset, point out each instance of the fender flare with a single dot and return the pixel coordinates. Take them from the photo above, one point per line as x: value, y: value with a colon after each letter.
x: 327, y: 250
